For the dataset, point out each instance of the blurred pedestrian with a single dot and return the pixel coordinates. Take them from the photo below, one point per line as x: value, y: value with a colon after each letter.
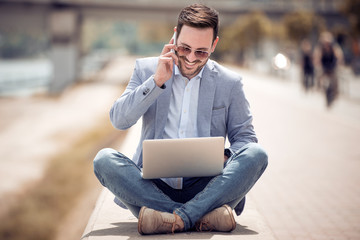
x: 307, y: 64
x: 328, y: 56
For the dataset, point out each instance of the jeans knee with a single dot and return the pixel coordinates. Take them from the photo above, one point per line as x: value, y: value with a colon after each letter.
x: 101, y: 158
x: 259, y: 155
x: 262, y: 157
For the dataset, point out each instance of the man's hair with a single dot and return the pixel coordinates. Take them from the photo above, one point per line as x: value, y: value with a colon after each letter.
x: 199, y: 16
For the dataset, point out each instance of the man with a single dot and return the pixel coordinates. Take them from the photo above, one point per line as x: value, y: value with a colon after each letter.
x: 184, y: 94
x: 328, y: 57
x: 307, y: 64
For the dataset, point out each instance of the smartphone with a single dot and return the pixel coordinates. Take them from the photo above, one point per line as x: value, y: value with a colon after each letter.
x: 174, y: 37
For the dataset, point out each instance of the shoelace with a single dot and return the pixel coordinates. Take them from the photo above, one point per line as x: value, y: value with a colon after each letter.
x: 166, y: 222
x: 173, y: 227
x: 172, y: 222
x: 204, y: 226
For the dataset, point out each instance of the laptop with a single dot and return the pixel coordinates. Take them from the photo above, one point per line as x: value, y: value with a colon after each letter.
x: 185, y: 157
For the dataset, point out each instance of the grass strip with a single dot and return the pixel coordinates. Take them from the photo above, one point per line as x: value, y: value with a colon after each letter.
x: 45, y: 205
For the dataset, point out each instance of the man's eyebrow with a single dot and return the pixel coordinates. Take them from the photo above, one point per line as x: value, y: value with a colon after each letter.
x: 201, y: 49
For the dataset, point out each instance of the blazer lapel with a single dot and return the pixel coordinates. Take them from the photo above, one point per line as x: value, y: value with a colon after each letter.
x: 206, y: 99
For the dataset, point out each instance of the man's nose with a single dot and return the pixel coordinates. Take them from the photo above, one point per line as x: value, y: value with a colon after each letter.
x: 191, y: 57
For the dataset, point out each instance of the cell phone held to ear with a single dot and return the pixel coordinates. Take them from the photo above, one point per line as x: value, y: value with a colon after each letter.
x: 174, y: 37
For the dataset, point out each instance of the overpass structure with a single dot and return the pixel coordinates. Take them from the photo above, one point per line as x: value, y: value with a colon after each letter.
x: 62, y: 20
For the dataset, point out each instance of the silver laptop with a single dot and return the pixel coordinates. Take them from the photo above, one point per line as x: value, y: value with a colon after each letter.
x: 186, y: 157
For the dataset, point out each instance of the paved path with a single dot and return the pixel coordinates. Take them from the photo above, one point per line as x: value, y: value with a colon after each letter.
x: 310, y: 189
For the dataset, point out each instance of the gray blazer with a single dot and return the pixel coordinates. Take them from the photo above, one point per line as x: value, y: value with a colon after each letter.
x: 222, y: 108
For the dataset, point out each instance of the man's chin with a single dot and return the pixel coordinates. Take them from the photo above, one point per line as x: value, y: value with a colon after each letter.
x: 190, y: 73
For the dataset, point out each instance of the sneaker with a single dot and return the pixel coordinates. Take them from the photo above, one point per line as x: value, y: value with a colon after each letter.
x: 220, y: 219
x: 153, y: 222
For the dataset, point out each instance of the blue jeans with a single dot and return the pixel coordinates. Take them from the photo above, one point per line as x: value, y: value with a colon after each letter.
x: 123, y: 178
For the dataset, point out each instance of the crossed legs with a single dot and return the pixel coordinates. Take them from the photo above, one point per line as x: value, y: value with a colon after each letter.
x: 123, y: 178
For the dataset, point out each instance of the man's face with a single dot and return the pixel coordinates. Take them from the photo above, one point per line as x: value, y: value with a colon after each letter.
x: 196, y: 39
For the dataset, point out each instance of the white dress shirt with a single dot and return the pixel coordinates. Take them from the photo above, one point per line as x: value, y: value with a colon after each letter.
x: 182, y: 116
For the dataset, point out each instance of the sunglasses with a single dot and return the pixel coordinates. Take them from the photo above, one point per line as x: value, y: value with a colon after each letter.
x: 184, y: 51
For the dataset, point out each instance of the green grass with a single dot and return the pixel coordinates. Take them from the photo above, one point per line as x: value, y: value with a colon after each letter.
x: 45, y: 205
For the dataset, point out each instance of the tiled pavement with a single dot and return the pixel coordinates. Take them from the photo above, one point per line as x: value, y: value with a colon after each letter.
x: 310, y: 189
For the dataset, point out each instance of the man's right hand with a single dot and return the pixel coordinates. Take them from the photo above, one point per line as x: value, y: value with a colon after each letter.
x: 165, y: 65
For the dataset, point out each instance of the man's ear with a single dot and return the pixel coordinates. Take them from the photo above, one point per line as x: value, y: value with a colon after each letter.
x: 214, y: 44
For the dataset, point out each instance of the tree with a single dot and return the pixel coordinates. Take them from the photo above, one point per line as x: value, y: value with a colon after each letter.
x: 351, y: 8
x: 298, y: 25
x: 245, y: 33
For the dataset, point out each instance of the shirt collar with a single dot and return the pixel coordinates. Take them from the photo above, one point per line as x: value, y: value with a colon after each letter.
x: 198, y: 76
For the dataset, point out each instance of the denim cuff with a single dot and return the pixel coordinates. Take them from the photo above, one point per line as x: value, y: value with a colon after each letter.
x: 186, y: 220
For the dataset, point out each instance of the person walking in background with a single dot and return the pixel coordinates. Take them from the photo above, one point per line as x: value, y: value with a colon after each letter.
x: 328, y: 57
x: 307, y: 65
x: 184, y: 94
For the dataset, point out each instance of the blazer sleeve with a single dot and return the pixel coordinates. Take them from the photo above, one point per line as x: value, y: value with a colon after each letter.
x: 138, y: 96
x: 240, y: 129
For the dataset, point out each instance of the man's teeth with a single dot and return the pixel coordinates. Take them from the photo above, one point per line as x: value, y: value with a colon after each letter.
x: 189, y: 63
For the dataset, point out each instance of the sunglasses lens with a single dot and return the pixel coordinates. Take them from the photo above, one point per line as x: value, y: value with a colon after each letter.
x: 201, y: 54
x: 184, y: 51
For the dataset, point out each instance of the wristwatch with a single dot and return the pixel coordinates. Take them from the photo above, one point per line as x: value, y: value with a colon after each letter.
x: 227, y: 153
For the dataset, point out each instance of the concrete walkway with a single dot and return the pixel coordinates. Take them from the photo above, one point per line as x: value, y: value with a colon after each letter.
x: 310, y: 189
x: 109, y: 221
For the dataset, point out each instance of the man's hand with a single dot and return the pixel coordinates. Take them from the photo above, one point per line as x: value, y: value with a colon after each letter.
x: 165, y: 66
